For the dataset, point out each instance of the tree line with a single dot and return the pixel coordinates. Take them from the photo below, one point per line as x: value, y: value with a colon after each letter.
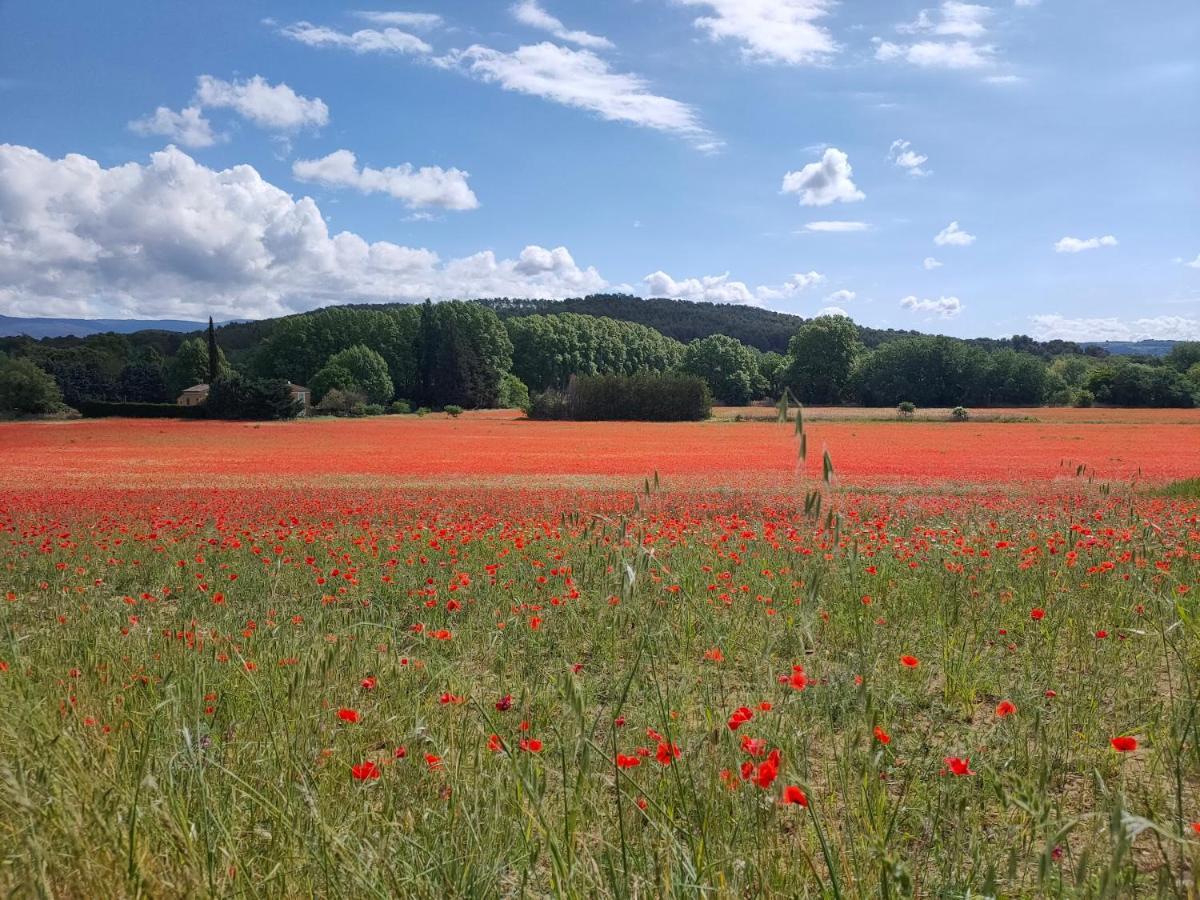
x: 479, y: 355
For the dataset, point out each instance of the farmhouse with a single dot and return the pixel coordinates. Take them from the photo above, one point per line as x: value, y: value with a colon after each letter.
x: 198, y: 393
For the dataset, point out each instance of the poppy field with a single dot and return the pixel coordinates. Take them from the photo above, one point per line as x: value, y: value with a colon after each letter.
x: 491, y: 657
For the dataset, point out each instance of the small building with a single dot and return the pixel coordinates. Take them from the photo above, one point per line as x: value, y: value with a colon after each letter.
x: 193, y: 396
x: 301, y: 395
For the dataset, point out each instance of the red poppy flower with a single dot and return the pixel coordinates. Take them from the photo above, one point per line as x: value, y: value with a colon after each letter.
x: 504, y: 704
x: 1037, y: 614
x: 794, y: 795
x: 531, y: 745
x: 368, y: 683
x: 627, y: 762
x: 882, y: 736
x: 958, y: 766
x: 348, y: 715
x: 1005, y: 708
x: 666, y: 753
x: 1124, y: 744
x: 495, y: 744
x: 768, y: 770
x: 740, y: 717
x: 910, y: 662
x: 365, y: 771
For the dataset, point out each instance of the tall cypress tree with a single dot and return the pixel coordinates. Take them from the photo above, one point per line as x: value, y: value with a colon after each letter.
x: 213, y: 360
x: 427, y: 354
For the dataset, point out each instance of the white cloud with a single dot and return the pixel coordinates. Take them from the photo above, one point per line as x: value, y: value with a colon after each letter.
x: 367, y: 40
x: 906, y: 158
x: 187, y: 127
x: 173, y: 238
x: 427, y: 186
x: 953, y: 236
x: 945, y: 307
x: 832, y: 311
x: 837, y: 226
x: 772, y: 31
x: 1050, y: 326
x: 937, y: 54
x: 930, y: 264
x: 527, y: 12
x: 948, y: 38
x: 580, y: 79
x: 824, y: 182
x: 842, y: 296
x: 418, y: 20
x: 1195, y: 263
x: 720, y: 289
x: 1026, y: 2
x: 275, y: 107
x: 1078, y: 245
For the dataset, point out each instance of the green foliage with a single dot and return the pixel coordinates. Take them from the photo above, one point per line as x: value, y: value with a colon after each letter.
x: 144, y: 378
x: 727, y: 366
x: 236, y: 396
x: 332, y: 377
x: 368, y: 372
x: 548, y: 350
x: 821, y: 359
x: 400, y: 407
x: 772, y: 367
x: 99, y: 409
x: 1183, y: 356
x: 1123, y: 383
x: 960, y: 414
x: 26, y: 389
x: 463, y: 352
x: 190, y: 366
x: 1083, y: 398
x: 339, y: 402
x: 513, y: 392
x: 549, y: 404
x: 374, y: 409
x: 645, y: 397
x: 927, y: 371
x: 905, y: 409
x: 452, y: 410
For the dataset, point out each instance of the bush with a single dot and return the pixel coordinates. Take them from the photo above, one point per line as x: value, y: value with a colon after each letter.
x: 453, y: 410
x: 1083, y: 398
x: 423, y: 411
x: 238, y: 397
x: 342, y: 403
x: 99, y: 409
x: 645, y: 398
x: 959, y: 414
x: 27, y: 390
x: 374, y: 409
x: 549, y: 404
x: 400, y: 407
x: 513, y: 392
x: 906, y: 409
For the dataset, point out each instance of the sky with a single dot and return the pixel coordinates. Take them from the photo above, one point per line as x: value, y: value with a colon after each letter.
x: 1020, y: 166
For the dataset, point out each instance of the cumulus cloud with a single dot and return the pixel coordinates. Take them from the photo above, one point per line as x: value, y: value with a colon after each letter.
x: 832, y: 311
x: 272, y: 106
x: 1195, y: 263
x: 947, y: 37
x: 1078, y: 245
x: 837, y: 226
x: 824, y: 182
x: 580, y: 79
x: 1050, y: 326
x: 426, y: 186
x: 187, y: 127
x: 175, y: 239
x: 944, y: 307
x: 771, y: 31
x: 366, y: 40
x: 842, y: 296
x: 904, y: 157
x: 953, y: 236
x: 418, y: 20
x: 721, y: 289
x: 527, y: 12
x: 931, y: 263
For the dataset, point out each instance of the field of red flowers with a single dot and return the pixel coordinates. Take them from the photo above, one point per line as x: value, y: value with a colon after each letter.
x: 489, y: 657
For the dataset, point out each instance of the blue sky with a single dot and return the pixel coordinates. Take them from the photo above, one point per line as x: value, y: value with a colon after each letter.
x: 158, y: 157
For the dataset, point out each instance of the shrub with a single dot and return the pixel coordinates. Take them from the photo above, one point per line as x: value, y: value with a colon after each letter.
x: 453, y: 410
x: 959, y: 414
x: 374, y: 409
x: 513, y: 392
x: 906, y: 409
x: 400, y: 407
x: 99, y: 409
x: 423, y: 411
x: 238, y: 397
x: 646, y: 397
x: 549, y: 404
x: 1083, y: 398
x: 342, y: 403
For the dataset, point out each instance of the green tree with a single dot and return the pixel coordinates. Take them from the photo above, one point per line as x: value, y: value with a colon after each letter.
x: 235, y: 396
x: 513, y: 392
x: 822, y: 355
x: 26, y: 389
x: 1183, y: 356
x: 190, y: 365
x: 463, y: 350
x: 331, y: 378
x: 728, y: 367
x: 144, y: 378
x: 927, y: 371
x: 772, y: 366
x: 368, y: 370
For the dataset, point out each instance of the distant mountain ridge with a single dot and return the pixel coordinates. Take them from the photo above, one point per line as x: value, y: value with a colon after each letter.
x: 44, y: 326
x: 1133, y: 348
